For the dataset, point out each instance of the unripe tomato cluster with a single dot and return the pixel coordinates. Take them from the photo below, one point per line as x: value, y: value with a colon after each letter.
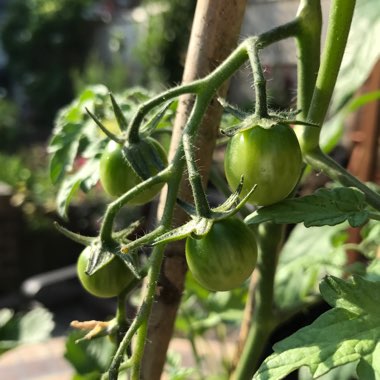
x: 269, y: 158
x: 226, y: 256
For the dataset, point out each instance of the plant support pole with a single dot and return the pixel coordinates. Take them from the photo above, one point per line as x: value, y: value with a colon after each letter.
x: 214, y: 35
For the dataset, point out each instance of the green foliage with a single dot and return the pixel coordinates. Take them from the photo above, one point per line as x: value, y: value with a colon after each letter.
x: 370, y: 234
x: 174, y: 370
x: 13, y: 170
x: 307, y: 256
x: 44, y: 41
x: 90, y: 358
x: 205, y: 314
x: 10, y: 129
x: 77, y: 143
x: 163, y: 51
x: 346, y: 372
x: 347, y: 333
x: 31, y: 327
x: 324, y: 207
x: 113, y: 75
x: 27, y: 174
x: 202, y: 310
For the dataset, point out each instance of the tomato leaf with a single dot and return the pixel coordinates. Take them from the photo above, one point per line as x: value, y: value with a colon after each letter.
x: 347, y: 333
x: 89, y: 357
x: 346, y: 371
x: 76, y: 139
x: 69, y: 131
x: 324, y: 207
x: 85, y: 178
x: 307, y: 256
x: 16, y: 329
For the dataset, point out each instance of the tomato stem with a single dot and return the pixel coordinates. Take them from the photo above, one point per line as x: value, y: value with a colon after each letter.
x: 254, y: 45
x: 132, y: 133
x: 308, y: 39
x: 261, y: 107
x: 341, y: 13
x: 320, y: 161
x: 121, y: 318
x: 270, y: 238
x: 188, y: 139
x: 119, y: 355
x: 112, y: 209
x: 154, y: 271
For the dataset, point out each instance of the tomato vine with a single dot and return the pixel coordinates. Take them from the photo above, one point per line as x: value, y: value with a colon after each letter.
x: 315, y: 91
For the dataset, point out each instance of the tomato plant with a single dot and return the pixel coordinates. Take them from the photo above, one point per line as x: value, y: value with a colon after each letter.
x: 221, y: 250
x: 269, y: 157
x: 117, y: 176
x: 106, y: 282
x: 225, y: 257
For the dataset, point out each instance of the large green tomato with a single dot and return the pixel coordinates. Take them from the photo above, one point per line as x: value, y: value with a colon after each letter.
x: 225, y: 257
x: 108, y: 281
x: 270, y: 158
x: 117, y: 177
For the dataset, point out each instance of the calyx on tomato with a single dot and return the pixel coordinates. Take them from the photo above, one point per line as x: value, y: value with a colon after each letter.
x: 108, y: 281
x: 225, y: 257
x: 269, y: 157
x: 117, y: 175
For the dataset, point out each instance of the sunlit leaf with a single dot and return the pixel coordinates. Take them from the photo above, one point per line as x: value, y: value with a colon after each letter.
x: 324, y: 207
x: 85, y: 178
x: 307, y: 256
x: 347, y: 333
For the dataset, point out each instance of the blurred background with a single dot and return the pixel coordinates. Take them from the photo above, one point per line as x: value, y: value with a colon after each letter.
x: 50, y: 51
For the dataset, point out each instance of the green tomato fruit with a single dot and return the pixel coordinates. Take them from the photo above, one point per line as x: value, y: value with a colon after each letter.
x: 117, y: 177
x: 108, y: 281
x: 225, y: 257
x: 270, y: 158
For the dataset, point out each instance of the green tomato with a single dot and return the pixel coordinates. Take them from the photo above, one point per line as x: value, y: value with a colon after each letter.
x: 117, y: 177
x: 225, y: 257
x: 270, y: 158
x: 108, y: 281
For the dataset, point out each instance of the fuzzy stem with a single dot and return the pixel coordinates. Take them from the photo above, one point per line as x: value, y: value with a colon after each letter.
x: 140, y: 322
x: 154, y: 271
x: 114, y: 207
x: 200, y: 199
x: 261, y: 107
